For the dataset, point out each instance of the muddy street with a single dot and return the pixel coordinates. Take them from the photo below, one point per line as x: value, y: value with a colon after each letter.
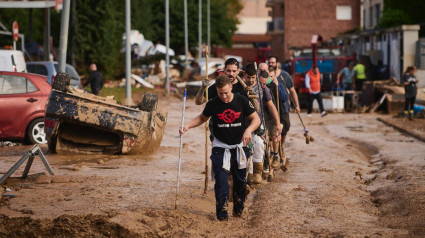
x: 359, y: 178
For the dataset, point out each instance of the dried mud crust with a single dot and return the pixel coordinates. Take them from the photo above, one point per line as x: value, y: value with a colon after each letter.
x: 63, y: 226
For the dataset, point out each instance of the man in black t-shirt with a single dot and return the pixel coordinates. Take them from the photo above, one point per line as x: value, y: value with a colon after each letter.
x: 234, y: 120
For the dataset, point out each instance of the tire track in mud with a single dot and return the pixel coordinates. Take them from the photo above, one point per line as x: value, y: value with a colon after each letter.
x: 397, y: 182
x: 324, y: 192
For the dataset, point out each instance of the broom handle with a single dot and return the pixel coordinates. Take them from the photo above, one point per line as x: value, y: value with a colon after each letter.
x: 180, y: 150
x: 206, y: 124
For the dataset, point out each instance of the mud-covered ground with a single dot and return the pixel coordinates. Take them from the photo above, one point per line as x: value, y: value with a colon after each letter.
x: 359, y: 178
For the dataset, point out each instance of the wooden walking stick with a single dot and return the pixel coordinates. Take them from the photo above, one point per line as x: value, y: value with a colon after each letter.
x: 267, y: 162
x: 281, y: 152
x: 206, y: 124
x: 180, y: 149
x: 308, y: 137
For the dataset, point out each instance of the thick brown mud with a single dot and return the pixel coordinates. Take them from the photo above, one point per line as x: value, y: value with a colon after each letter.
x: 359, y: 178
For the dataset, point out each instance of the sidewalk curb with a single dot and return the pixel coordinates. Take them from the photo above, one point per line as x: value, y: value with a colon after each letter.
x: 402, y: 130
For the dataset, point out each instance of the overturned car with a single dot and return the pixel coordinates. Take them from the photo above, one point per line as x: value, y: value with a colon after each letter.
x: 80, y: 122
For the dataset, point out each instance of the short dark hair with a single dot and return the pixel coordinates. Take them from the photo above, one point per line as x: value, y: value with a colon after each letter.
x: 250, y: 69
x: 263, y: 74
x: 222, y: 81
x: 272, y: 56
x: 231, y: 61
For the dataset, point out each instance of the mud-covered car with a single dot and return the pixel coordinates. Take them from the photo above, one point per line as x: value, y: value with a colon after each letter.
x: 80, y: 122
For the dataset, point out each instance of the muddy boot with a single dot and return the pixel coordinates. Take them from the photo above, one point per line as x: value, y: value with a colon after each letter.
x: 411, y: 115
x: 250, y: 179
x: 258, y: 169
x: 276, y: 162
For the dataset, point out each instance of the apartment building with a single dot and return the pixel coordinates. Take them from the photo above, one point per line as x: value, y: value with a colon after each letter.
x: 295, y: 21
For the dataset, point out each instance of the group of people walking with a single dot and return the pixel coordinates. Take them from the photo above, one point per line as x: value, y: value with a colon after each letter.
x: 249, y: 119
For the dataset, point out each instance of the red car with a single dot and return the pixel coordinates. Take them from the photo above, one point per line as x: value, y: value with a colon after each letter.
x: 23, y: 99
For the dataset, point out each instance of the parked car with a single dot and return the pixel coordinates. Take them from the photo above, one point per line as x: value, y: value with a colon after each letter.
x: 12, y: 60
x: 23, y: 99
x: 51, y: 68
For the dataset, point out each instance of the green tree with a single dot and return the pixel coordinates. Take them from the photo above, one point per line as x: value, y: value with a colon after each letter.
x: 223, y: 22
x: 96, y: 28
x: 399, y: 12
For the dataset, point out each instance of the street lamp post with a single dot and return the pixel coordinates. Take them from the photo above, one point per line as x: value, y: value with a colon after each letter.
x: 200, y: 30
x: 63, y: 43
x: 208, y: 25
x: 186, y: 41
x: 128, y: 100
x: 167, y: 43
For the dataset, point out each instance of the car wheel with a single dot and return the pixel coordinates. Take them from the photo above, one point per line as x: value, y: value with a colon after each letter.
x: 61, y: 81
x: 149, y: 102
x: 35, y: 132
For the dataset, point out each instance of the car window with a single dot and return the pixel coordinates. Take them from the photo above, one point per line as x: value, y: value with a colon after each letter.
x: 69, y: 70
x: 31, y: 87
x: 10, y: 84
x: 37, y: 69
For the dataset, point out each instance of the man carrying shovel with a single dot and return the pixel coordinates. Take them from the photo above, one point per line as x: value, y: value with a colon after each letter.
x: 234, y: 120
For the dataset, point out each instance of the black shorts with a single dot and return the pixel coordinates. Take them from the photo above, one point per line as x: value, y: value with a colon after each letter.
x: 284, y: 119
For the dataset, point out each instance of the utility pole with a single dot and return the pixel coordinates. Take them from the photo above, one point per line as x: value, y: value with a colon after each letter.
x: 128, y: 100
x: 63, y: 40
x: 167, y: 44
x: 200, y: 30
x: 208, y: 25
x: 186, y: 41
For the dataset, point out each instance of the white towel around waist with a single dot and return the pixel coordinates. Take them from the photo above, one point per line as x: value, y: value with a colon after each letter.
x: 240, y: 154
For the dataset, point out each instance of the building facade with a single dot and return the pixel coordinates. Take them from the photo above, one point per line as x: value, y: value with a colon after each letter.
x: 250, y: 38
x: 371, y: 13
x: 295, y: 21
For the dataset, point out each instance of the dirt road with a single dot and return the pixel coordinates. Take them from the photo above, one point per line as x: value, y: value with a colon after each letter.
x: 359, y: 178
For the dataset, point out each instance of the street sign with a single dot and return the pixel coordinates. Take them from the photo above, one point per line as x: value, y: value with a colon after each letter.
x: 58, y: 5
x: 15, y: 31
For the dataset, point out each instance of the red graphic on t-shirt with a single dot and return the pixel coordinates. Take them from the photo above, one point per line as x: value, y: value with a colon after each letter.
x: 229, y: 116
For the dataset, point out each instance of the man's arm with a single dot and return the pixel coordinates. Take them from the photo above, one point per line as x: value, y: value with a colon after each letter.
x: 338, y: 77
x: 253, y: 125
x: 200, y: 96
x: 307, y: 83
x: 197, y: 121
x: 295, y: 99
x: 273, y: 111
